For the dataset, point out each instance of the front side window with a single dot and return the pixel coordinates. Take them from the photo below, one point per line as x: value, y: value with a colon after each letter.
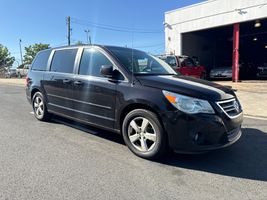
x: 63, y: 61
x: 91, y: 62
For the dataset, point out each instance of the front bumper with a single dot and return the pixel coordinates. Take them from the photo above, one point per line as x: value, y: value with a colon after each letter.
x: 201, y: 132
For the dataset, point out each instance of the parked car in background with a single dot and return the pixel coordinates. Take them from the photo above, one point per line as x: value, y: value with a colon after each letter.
x: 262, y: 71
x: 22, y: 70
x: 138, y: 95
x: 185, y: 65
x: 221, y: 73
x: 10, y: 73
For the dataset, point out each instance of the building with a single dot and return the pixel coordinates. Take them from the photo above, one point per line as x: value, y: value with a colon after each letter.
x: 220, y: 33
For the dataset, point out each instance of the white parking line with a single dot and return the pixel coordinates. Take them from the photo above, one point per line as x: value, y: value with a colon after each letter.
x: 32, y: 112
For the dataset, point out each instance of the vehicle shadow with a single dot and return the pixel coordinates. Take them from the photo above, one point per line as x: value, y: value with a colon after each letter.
x: 245, y: 159
x: 114, y: 137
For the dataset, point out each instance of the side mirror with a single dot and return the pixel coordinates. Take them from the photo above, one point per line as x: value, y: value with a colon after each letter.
x: 107, y: 71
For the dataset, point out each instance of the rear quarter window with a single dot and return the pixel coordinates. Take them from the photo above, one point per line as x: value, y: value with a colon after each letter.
x: 40, y: 62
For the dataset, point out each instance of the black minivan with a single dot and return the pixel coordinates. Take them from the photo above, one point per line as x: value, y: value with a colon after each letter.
x: 133, y: 93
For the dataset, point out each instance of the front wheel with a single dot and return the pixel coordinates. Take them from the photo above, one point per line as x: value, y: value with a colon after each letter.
x: 144, y: 134
x: 39, y: 107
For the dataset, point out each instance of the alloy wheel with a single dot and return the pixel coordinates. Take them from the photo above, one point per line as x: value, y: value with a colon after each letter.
x: 38, y: 106
x: 142, y: 134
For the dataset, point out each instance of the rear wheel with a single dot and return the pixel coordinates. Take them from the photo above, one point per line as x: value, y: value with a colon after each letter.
x: 39, y: 107
x: 144, y: 134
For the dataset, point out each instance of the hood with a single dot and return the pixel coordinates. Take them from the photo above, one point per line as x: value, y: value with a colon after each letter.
x: 188, y: 86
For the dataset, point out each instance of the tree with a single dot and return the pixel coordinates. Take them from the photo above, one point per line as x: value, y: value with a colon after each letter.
x: 6, y: 60
x: 32, y: 50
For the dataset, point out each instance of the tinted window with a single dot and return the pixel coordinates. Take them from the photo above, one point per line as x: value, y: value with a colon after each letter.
x: 63, y: 60
x: 40, y: 62
x: 91, y: 62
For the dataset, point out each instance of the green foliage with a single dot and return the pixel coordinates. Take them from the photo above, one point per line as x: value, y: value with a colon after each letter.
x: 32, y: 50
x: 6, y: 60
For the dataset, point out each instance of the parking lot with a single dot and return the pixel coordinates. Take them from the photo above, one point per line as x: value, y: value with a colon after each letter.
x: 63, y: 159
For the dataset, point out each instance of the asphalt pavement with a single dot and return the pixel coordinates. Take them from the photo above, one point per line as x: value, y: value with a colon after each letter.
x: 63, y: 159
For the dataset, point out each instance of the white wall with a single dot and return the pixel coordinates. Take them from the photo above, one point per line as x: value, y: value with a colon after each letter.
x: 209, y: 14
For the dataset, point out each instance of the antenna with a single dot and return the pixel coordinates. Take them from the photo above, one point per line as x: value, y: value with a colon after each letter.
x: 132, y: 60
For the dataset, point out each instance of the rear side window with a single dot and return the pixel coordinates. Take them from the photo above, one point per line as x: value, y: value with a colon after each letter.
x: 91, y: 62
x: 40, y: 62
x: 63, y: 61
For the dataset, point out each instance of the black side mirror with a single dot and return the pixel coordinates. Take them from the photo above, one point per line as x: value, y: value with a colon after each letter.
x: 107, y: 70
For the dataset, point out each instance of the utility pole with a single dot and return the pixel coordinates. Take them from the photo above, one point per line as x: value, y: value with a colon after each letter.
x: 88, y: 36
x: 68, y: 24
x: 20, y: 51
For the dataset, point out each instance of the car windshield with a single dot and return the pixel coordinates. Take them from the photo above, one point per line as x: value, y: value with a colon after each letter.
x: 187, y: 62
x: 140, y: 62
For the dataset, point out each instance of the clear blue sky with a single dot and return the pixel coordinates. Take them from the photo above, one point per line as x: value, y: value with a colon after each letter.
x: 36, y: 21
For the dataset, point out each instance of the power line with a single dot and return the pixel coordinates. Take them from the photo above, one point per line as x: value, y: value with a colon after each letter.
x: 114, y: 28
x: 111, y: 26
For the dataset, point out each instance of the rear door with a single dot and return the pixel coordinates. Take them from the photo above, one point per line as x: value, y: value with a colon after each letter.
x: 58, y: 82
x: 94, y: 95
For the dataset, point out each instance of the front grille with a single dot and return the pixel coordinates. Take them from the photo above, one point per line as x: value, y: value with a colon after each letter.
x: 230, y: 107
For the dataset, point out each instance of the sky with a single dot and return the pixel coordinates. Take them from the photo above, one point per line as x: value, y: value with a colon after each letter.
x: 137, y: 23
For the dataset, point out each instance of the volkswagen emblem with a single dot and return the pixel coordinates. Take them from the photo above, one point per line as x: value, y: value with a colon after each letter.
x: 236, y: 105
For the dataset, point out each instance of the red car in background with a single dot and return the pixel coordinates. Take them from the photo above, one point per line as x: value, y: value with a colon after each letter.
x: 185, y: 65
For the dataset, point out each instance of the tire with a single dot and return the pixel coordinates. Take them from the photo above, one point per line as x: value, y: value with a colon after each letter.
x: 39, y: 107
x: 144, y: 135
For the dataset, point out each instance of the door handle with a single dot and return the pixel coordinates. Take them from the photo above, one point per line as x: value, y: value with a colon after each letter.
x: 78, y: 83
x: 66, y: 81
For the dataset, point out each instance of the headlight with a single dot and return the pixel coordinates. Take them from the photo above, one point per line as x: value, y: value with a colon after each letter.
x: 188, y: 104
